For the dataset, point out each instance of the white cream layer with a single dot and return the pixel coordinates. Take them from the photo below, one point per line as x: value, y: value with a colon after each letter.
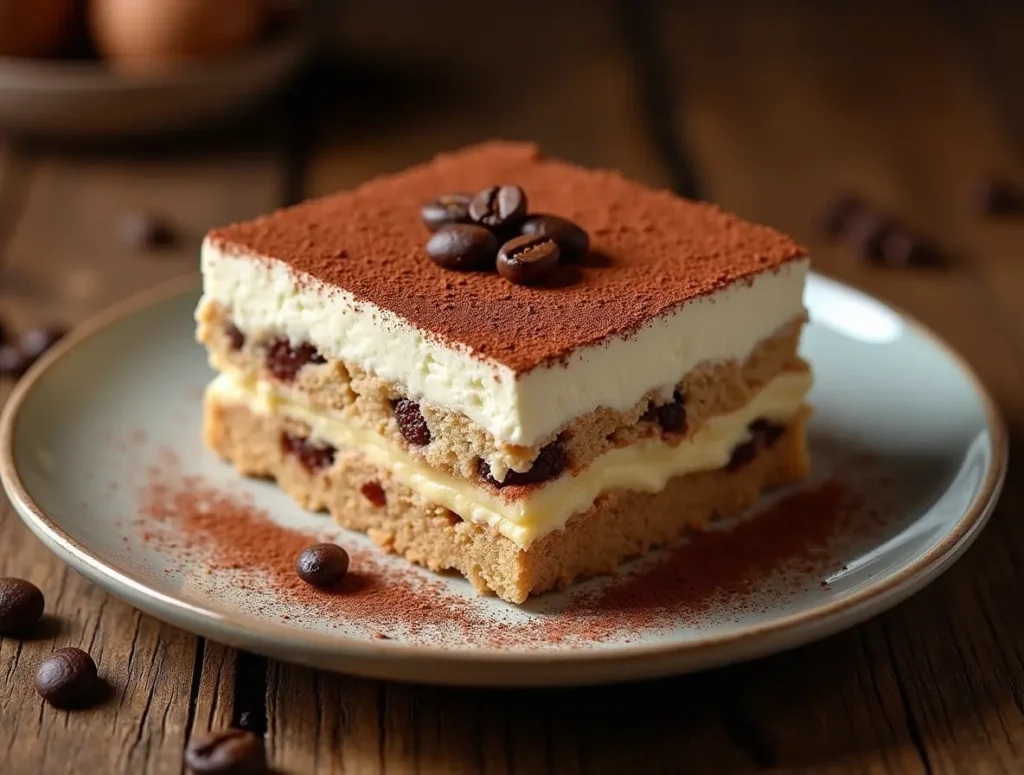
x: 646, y: 465
x: 263, y: 293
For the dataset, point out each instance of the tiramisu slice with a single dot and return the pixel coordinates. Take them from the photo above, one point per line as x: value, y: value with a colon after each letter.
x: 527, y: 417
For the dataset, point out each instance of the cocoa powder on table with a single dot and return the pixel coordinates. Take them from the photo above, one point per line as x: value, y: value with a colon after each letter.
x: 791, y: 542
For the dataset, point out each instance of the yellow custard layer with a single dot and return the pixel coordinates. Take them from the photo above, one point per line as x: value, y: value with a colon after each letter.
x: 646, y: 465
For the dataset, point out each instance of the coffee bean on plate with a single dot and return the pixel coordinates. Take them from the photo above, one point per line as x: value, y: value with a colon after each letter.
x: 142, y: 230
x: 446, y: 210
x: 13, y: 362
x: 226, y: 752
x: 463, y: 247
x: 499, y: 207
x: 573, y: 241
x: 67, y: 678
x: 21, y: 604
x: 528, y: 259
x: 36, y: 341
x: 322, y: 565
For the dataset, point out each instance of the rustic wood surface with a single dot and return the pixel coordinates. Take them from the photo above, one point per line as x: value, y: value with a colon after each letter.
x: 767, y: 108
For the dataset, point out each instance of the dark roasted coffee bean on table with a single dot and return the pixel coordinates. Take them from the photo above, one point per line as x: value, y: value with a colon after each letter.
x: 322, y: 565
x: 21, y: 604
x: 226, y: 752
x: 572, y: 241
x: 67, y: 678
x: 142, y: 230
x: 463, y: 247
x: 499, y: 207
x: 446, y: 210
x: 528, y: 259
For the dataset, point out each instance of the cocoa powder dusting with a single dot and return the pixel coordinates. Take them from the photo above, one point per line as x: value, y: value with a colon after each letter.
x: 193, y: 523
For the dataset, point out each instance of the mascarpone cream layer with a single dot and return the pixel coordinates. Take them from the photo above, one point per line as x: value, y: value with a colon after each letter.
x: 520, y: 409
x: 646, y: 465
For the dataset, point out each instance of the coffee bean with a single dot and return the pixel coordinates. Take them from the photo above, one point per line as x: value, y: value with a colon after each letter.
x: 463, y: 247
x: 36, y: 341
x: 21, y: 604
x: 446, y: 210
x: 411, y: 422
x: 573, y: 242
x: 741, y: 455
x: 550, y: 462
x: 528, y: 259
x: 13, y: 362
x: 67, y: 678
x: 226, y: 752
x: 499, y: 207
x: 143, y: 230
x: 236, y: 339
x: 322, y: 564
x: 838, y: 212
x: 997, y: 197
x: 286, y: 361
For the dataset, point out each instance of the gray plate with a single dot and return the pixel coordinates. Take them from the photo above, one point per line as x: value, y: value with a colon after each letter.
x: 896, y: 411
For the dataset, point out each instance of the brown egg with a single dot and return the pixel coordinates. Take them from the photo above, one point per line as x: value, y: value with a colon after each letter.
x: 35, y: 28
x: 146, y: 35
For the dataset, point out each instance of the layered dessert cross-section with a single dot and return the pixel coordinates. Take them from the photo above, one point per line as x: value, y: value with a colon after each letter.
x: 524, y: 435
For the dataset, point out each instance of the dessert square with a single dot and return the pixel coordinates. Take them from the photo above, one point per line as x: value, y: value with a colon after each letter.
x: 525, y: 435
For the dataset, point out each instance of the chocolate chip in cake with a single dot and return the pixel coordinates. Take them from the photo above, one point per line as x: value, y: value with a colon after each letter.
x: 573, y: 242
x: 411, y: 422
x: 322, y: 565
x: 463, y: 247
x: 374, y: 493
x: 145, y: 230
x: 499, y: 207
x: 766, y: 431
x: 236, y: 339
x: 21, y: 604
x: 550, y: 462
x: 835, y: 217
x: 226, y: 752
x: 285, y: 361
x: 742, y: 454
x: 528, y: 259
x: 997, y: 197
x: 446, y: 210
x: 312, y: 455
x: 67, y: 678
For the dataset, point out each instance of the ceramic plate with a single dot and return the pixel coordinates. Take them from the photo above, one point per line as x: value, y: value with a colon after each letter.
x: 903, y: 434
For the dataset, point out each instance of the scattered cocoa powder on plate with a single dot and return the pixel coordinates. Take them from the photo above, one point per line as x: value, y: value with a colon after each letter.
x: 786, y: 548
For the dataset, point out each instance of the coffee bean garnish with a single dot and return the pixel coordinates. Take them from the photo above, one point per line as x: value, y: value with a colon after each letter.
x: 742, y: 454
x: 21, y: 604
x: 226, y: 752
x: 322, y: 565
x: 551, y: 461
x: 142, y: 230
x: 572, y: 241
x: 67, y: 678
x: 285, y: 361
x: 499, y: 207
x: 411, y: 422
x: 463, y: 247
x: 312, y: 455
x: 528, y: 259
x: 236, y: 339
x: 997, y: 197
x: 446, y: 210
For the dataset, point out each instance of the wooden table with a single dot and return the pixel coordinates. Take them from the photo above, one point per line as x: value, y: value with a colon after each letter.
x: 765, y: 107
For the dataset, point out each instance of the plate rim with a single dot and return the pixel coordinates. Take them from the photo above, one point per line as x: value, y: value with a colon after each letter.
x: 800, y: 627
